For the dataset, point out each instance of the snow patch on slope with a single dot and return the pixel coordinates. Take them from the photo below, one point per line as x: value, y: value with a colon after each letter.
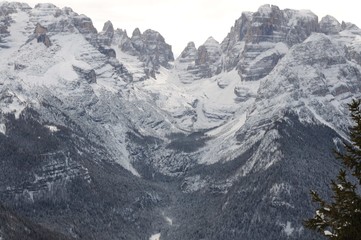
x: 202, y: 104
x: 52, y: 129
x: 131, y: 63
x: 229, y: 128
x: 155, y: 237
x: 2, y: 128
x: 288, y: 229
x: 15, y: 104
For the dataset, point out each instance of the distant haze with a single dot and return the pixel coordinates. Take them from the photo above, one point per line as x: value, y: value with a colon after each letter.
x: 192, y: 20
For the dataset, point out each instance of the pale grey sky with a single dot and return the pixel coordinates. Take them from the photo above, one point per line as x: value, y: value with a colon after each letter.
x: 181, y: 21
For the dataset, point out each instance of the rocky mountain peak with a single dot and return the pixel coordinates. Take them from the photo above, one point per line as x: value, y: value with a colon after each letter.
x: 84, y: 24
x: 211, y: 42
x: 120, y: 36
x: 267, y: 10
x: 266, y: 23
x: 105, y: 37
x: 108, y: 27
x: 211, y: 49
x: 189, y: 52
x: 45, y: 5
x: 136, y: 33
x: 150, y: 48
x: 12, y: 6
x: 191, y: 45
x: 330, y: 25
x: 202, y: 62
x: 256, y: 33
x: 151, y: 35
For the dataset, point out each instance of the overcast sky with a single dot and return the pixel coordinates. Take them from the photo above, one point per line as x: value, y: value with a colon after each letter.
x: 181, y: 21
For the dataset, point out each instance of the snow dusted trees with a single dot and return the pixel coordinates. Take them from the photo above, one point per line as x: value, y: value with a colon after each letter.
x: 341, y: 218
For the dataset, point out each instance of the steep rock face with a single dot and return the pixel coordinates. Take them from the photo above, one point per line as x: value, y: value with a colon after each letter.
x: 269, y: 27
x: 259, y: 40
x: 105, y: 37
x: 209, y: 56
x: 62, y: 20
x: 233, y: 44
x: 41, y: 36
x: 189, y: 54
x: 203, y: 62
x: 149, y: 47
x: 13, y: 7
x: 153, y: 50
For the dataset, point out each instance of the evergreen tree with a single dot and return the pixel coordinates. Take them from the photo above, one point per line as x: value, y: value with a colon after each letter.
x: 341, y: 218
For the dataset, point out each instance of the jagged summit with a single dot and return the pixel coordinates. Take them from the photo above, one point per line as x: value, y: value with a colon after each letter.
x: 189, y: 51
x: 108, y: 27
x: 211, y: 41
x: 104, y: 136
x: 136, y: 33
x: 106, y: 35
x: 45, y: 5
x: 259, y: 32
x: 14, y: 5
x: 267, y: 9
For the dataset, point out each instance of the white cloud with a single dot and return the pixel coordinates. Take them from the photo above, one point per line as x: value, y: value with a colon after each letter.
x: 192, y: 20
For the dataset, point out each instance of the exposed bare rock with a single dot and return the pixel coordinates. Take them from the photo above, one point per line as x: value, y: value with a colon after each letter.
x: 88, y: 74
x: 269, y: 27
x: 150, y: 48
x: 189, y: 54
x: 202, y: 62
x: 18, y: 66
x: 41, y: 36
x: 253, y: 34
x: 330, y: 25
x: 105, y: 37
x: 84, y: 25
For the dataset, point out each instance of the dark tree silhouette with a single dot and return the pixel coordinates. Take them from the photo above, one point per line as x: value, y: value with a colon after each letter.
x: 341, y: 218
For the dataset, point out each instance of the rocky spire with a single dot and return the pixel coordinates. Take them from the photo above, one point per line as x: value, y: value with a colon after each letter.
x: 105, y: 37
x: 189, y: 54
x: 108, y: 27
x: 136, y: 33
x: 150, y: 47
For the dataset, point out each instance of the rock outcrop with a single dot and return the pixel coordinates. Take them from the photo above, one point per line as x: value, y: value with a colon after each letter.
x: 330, y: 25
x: 149, y: 47
x: 269, y: 30
x: 105, y: 37
x: 264, y: 32
x: 189, y: 54
x: 202, y: 62
x: 41, y: 36
x: 88, y: 74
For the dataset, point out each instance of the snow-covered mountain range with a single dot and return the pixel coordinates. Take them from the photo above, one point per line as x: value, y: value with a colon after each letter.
x: 107, y: 136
